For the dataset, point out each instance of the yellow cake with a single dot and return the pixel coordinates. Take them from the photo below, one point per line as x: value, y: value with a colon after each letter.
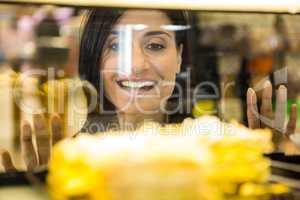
x: 198, y: 159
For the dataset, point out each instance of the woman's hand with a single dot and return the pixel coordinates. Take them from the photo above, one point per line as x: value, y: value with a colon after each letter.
x: 44, y: 139
x: 266, y: 118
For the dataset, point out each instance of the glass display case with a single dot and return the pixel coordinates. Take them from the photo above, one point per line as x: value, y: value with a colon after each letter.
x: 74, y: 68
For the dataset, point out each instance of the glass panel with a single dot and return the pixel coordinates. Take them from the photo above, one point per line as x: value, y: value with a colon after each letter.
x: 67, y: 70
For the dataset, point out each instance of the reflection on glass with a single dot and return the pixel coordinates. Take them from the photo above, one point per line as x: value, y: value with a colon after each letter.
x: 88, y: 71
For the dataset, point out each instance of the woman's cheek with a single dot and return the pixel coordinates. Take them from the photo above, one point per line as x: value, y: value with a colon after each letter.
x: 110, y: 62
x: 166, y: 67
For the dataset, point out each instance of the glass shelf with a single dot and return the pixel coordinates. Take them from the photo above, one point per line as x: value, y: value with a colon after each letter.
x: 265, y: 6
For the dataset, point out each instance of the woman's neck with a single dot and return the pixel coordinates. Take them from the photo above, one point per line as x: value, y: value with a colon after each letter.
x: 133, y: 121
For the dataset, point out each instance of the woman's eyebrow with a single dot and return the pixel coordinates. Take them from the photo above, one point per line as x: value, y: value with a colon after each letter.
x: 114, y: 32
x: 150, y: 33
x: 153, y: 33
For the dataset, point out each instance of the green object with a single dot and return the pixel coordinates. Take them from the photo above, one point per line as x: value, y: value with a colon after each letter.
x: 204, y: 107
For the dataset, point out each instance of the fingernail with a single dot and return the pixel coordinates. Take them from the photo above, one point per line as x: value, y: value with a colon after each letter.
x: 55, y: 117
x: 5, y: 155
x: 24, y: 123
x: 250, y: 91
x: 282, y: 93
x: 249, y: 94
x: 281, y: 87
x: 267, y: 84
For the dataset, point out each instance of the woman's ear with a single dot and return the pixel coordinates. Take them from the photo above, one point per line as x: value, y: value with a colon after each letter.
x: 179, y: 57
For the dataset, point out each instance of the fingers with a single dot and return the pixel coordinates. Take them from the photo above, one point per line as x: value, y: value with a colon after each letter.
x: 42, y: 138
x: 266, y: 106
x: 252, y: 111
x: 291, y: 126
x: 28, y: 151
x: 7, y: 162
x: 56, y: 128
x: 281, y: 98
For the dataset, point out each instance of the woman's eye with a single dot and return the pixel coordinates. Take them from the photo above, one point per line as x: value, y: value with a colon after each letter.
x: 155, y: 46
x: 114, y: 46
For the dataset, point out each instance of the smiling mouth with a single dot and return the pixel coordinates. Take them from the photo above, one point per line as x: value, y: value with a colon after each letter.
x: 137, y: 85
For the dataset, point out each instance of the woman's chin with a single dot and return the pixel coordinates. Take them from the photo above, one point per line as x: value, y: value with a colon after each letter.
x: 141, y: 109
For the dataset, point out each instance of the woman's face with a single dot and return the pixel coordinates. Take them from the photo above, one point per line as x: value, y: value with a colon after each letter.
x: 140, y: 61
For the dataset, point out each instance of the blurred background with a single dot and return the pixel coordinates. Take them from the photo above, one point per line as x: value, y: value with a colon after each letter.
x: 230, y: 51
x: 38, y: 69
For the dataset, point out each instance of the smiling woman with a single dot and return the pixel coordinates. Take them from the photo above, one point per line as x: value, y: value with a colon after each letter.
x: 131, y: 57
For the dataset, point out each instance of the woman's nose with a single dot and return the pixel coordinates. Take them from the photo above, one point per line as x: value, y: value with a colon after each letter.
x: 139, y: 60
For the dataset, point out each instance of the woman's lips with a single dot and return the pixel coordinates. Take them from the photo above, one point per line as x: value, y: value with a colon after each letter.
x: 137, y: 84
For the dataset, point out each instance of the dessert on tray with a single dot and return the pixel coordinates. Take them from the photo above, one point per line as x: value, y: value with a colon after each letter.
x: 201, y: 158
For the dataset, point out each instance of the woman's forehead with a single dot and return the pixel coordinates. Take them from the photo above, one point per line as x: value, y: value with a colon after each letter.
x: 144, y: 17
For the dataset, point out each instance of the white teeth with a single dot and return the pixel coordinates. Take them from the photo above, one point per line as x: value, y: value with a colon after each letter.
x: 137, y: 84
